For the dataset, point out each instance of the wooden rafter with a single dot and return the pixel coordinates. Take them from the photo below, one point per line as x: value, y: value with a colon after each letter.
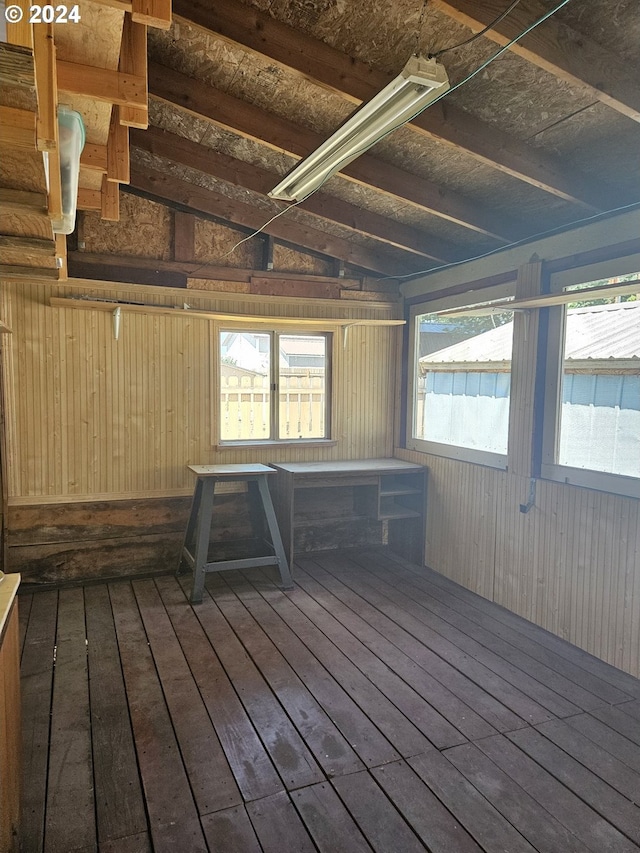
x: 176, y: 191
x: 237, y: 172
x: 102, y: 84
x: 555, y: 47
x: 357, y: 81
x: 254, y: 123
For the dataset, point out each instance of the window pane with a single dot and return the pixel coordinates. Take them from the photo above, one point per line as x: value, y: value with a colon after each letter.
x: 600, y: 412
x: 302, y: 370
x: 245, y: 382
x: 462, y: 380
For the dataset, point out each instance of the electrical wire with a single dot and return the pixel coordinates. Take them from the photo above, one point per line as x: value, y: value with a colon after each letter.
x: 477, y: 35
x: 445, y: 94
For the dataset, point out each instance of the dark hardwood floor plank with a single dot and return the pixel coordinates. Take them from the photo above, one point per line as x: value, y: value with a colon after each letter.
x: 367, y: 741
x: 327, y: 821
x: 278, y: 826
x: 591, y: 828
x: 36, y: 686
x: 119, y: 799
x: 607, y: 738
x: 288, y: 752
x: 210, y: 776
x: 24, y: 609
x: 458, y: 713
x: 414, y: 620
x: 530, y: 819
x: 619, y: 721
x: 420, y: 606
x: 70, y: 811
x: 140, y: 843
x: 481, y: 820
x: 435, y: 825
x: 172, y: 811
x: 379, y: 821
x: 594, y: 757
x: 575, y: 683
x: 254, y: 773
x: 394, y: 725
x: 594, y: 791
x: 330, y: 748
x: 623, y: 681
x: 230, y: 831
x: 422, y: 715
x: 486, y: 706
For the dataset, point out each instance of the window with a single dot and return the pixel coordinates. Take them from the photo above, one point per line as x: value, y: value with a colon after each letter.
x: 274, y: 386
x: 592, y: 426
x: 461, y: 385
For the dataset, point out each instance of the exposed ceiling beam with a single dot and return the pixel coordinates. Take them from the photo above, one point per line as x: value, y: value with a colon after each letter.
x: 252, y: 122
x: 238, y: 172
x: 569, y: 55
x: 176, y: 191
x: 316, y: 61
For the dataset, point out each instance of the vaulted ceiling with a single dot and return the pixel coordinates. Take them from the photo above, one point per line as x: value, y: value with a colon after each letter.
x: 546, y: 135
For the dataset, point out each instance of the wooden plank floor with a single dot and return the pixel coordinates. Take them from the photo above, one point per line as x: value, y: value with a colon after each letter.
x: 377, y: 706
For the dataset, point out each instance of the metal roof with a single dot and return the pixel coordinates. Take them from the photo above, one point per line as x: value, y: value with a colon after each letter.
x: 597, y: 332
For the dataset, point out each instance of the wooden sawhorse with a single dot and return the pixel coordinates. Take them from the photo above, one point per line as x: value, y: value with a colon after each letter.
x: 195, y: 549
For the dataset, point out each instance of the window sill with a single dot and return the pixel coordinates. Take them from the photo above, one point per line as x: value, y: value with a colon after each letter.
x: 301, y: 442
x: 599, y: 481
x: 461, y: 454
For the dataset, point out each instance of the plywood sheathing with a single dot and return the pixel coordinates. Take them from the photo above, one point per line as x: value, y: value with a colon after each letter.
x: 144, y: 230
x: 214, y: 242
x: 615, y: 22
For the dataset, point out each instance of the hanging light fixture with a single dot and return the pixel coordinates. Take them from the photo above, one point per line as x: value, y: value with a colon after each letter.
x: 418, y: 84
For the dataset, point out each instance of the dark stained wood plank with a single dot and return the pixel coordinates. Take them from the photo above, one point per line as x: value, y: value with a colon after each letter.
x: 184, y: 224
x: 401, y: 733
x: 287, y: 750
x: 594, y: 757
x: 604, y: 671
x: 422, y: 715
x: 132, y: 844
x: 621, y: 722
x: 278, y: 825
x: 598, y: 794
x: 24, y: 608
x: 585, y: 823
x: 518, y: 807
x: 477, y: 815
x: 210, y: 776
x: 377, y: 818
x: 365, y: 738
x: 172, y: 812
x: 414, y: 619
x: 330, y: 748
x: 575, y: 674
x: 460, y: 715
x: 607, y: 738
x: 119, y: 799
x: 70, y: 810
x: 36, y: 688
x: 631, y: 708
x: 251, y: 765
x: 434, y: 824
x: 327, y: 820
x: 547, y: 687
x: 473, y: 696
x: 230, y: 831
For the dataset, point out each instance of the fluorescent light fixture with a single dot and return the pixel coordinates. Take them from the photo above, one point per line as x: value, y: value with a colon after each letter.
x: 418, y: 84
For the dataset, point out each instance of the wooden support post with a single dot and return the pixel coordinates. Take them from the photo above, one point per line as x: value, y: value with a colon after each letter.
x: 523, y: 372
x: 133, y: 60
x: 44, y: 57
x: 267, y: 258
x: 61, y: 256
x: 118, y: 167
x: 154, y: 13
x: 184, y: 232
x: 110, y: 200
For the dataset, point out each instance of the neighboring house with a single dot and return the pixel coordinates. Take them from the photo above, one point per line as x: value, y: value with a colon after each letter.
x: 466, y: 389
x: 250, y: 351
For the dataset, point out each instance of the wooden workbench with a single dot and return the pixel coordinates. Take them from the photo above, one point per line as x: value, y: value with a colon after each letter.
x: 323, y: 505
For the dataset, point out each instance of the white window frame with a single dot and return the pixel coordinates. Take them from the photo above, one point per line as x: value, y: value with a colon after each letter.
x: 451, y: 451
x: 550, y: 468
x: 274, y: 333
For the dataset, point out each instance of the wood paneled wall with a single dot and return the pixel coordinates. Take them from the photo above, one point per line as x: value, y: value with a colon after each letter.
x: 92, y: 418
